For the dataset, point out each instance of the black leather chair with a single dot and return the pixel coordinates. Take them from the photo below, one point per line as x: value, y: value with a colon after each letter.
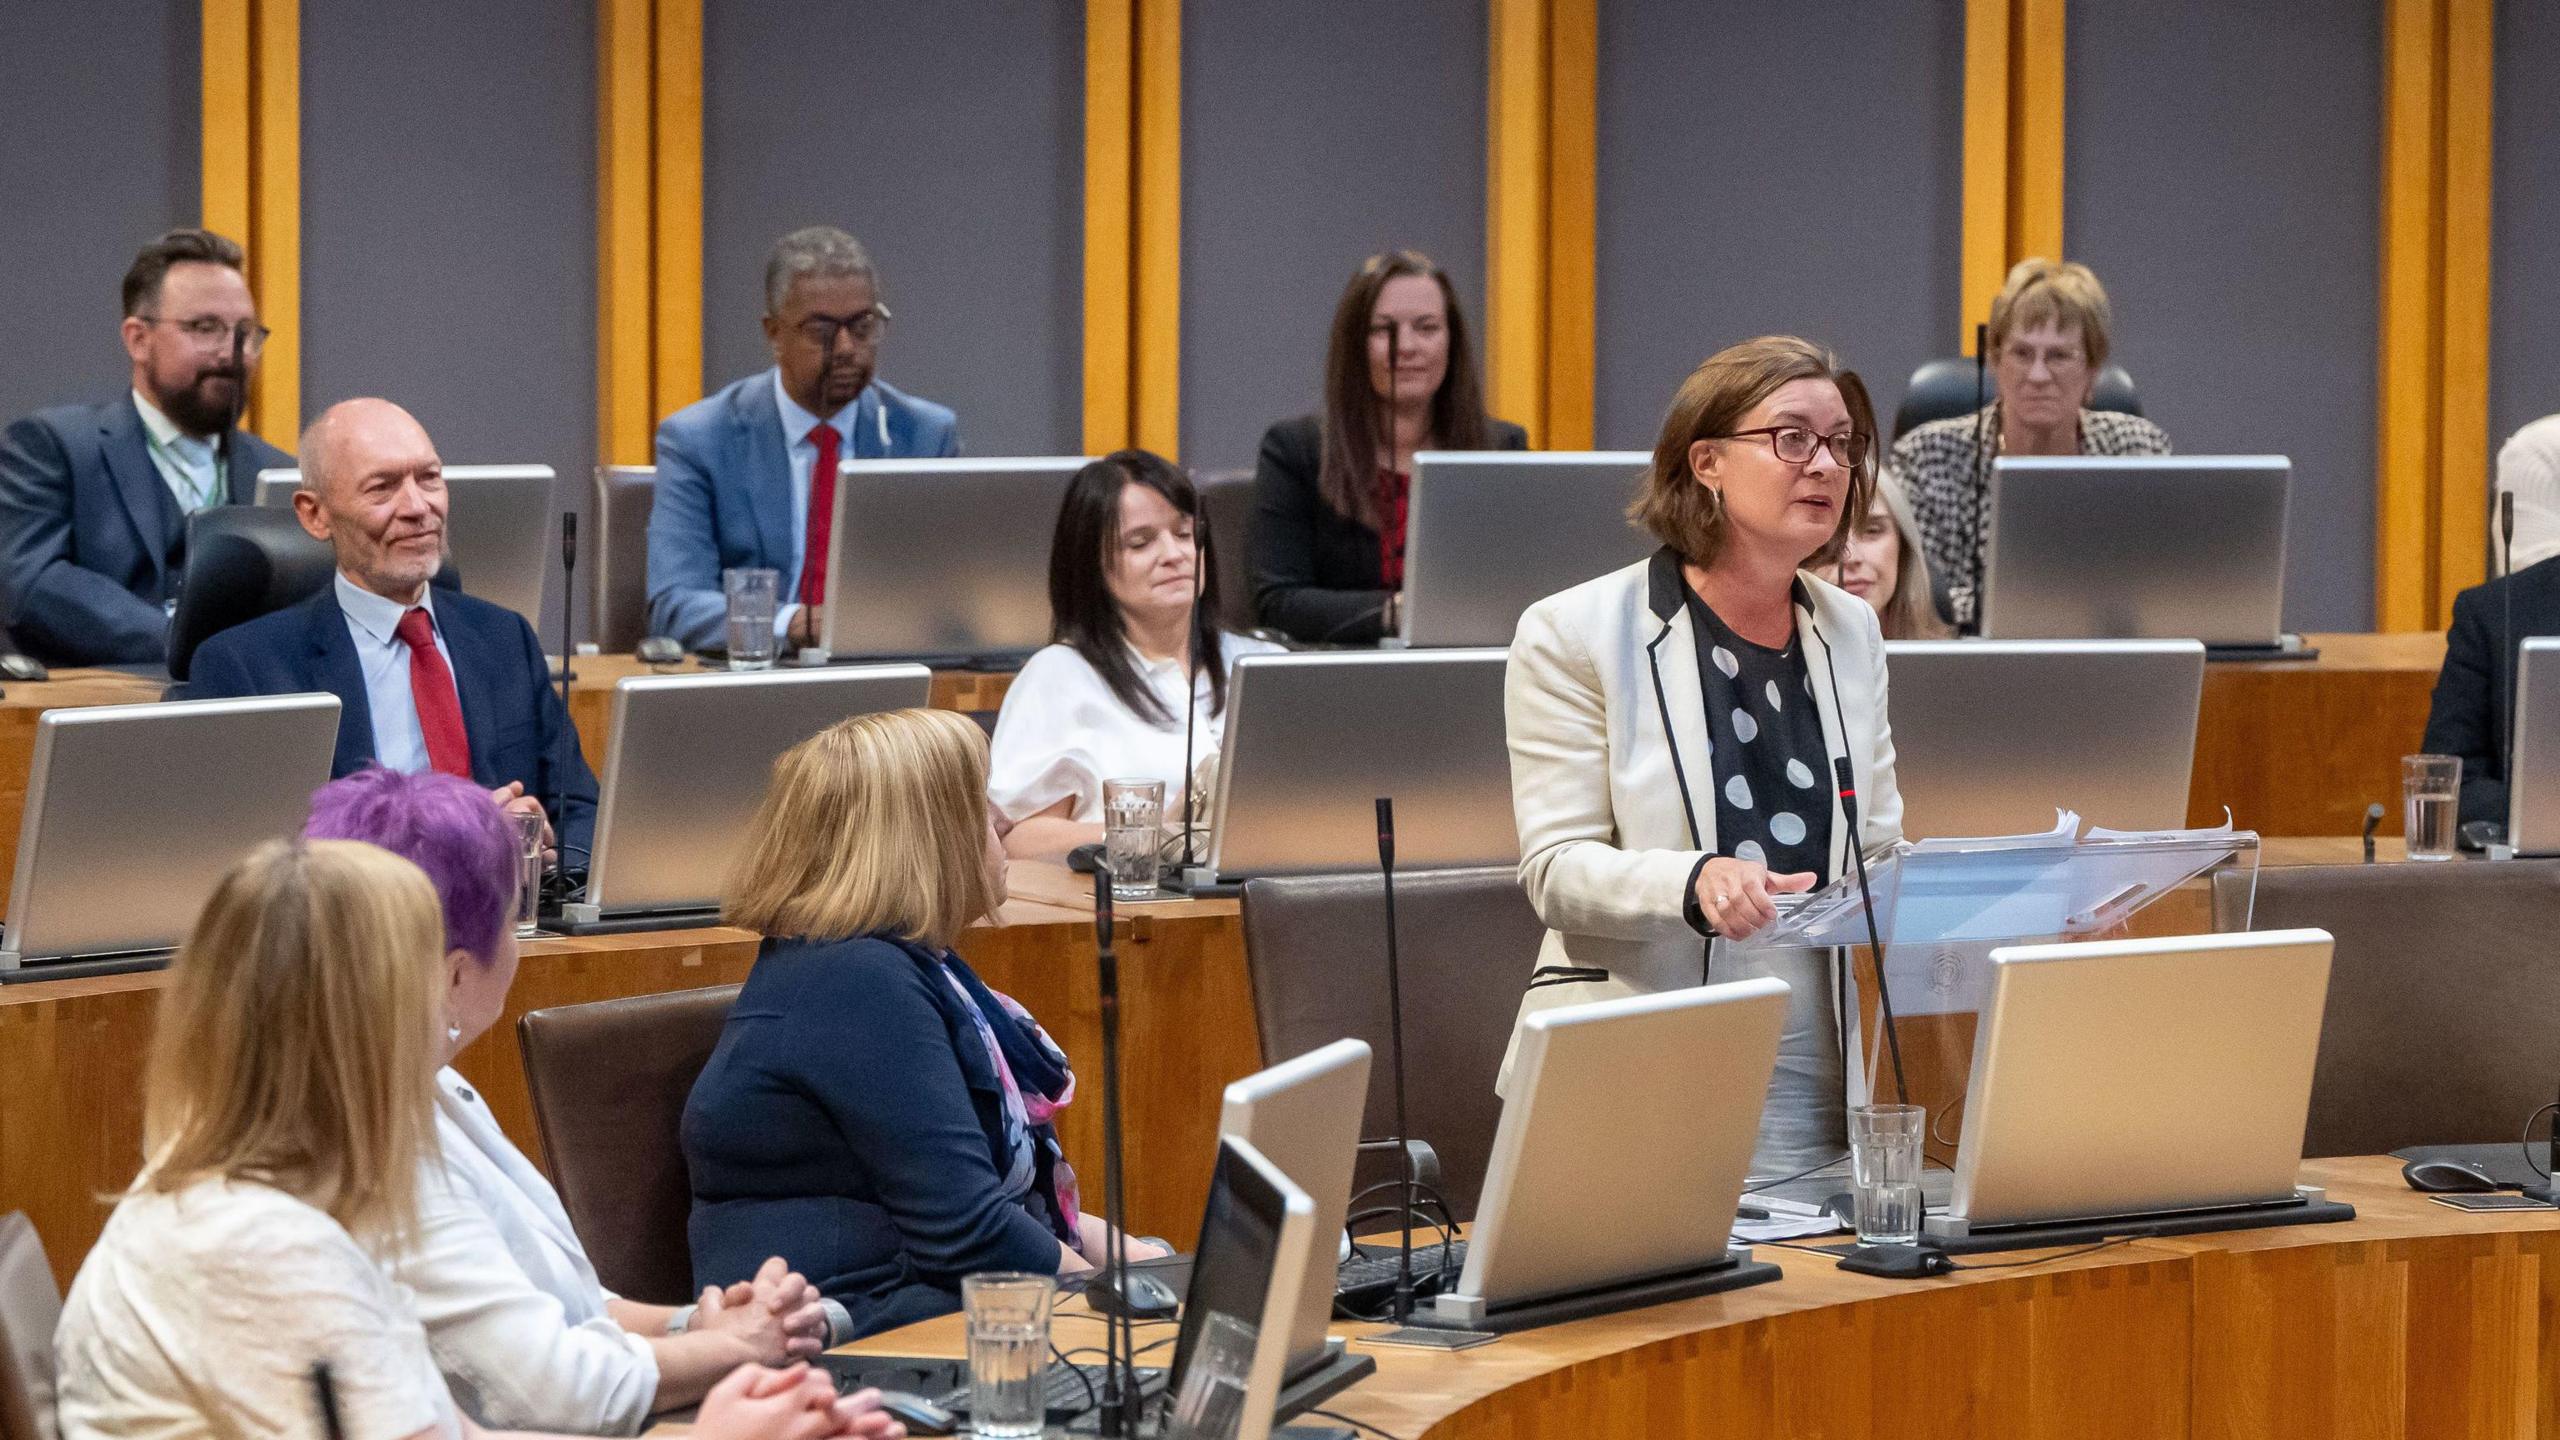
x: 1944, y: 388
x: 2443, y: 1022
x: 609, y: 1081
x: 244, y: 561
x: 1227, y: 497
x: 30, y: 1306
x: 624, y: 496
x: 1316, y: 947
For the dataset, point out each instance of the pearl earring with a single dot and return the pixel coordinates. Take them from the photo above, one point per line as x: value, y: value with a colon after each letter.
x: 453, y: 1032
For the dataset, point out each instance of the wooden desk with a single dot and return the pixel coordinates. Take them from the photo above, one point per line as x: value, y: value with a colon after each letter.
x: 2412, y: 1320
x: 591, y: 694
x: 71, y: 1051
x: 2300, y: 747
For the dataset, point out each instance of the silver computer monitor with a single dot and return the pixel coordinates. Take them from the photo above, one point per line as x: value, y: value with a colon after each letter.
x: 1599, y: 1179
x: 943, y: 558
x: 688, y: 762
x: 2137, y: 547
x: 2533, y: 761
x: 1313, y: 740
x: 2119, y: 1078
x: 1257, y: 1234
x: 1488, y: 533
x: 1304, y: 1116
x: 1990, y: 737
x: 134, y: 812
x: 501, y: 528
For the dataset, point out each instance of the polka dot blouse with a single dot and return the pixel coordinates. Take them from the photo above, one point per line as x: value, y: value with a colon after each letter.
x: 1773, y: 792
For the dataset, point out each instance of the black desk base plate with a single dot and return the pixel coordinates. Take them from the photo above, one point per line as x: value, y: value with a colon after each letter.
x: 2063, y: 1233
x: 1727, y: 1274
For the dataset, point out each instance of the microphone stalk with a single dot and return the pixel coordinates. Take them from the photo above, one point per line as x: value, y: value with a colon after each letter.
x: 1875, y: 940
x: 1120, y: 1416
x: 239, y: 407
x: 2507, y: 624
x: 1403, y: 1310
x: 1191, y: 690
x: 1983, y: 429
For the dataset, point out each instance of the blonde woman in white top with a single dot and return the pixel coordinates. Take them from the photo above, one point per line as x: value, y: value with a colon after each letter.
x: 1132, y: 596
x: 287, y: 1114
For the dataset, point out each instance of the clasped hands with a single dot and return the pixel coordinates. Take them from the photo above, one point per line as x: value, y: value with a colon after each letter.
x: 1738, y: 897
x: 778, y: 1315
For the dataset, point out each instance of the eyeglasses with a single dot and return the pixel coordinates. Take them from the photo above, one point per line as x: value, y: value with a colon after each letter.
x: 1795, y: 444
x: 207, y: 332
x: 866, y: 326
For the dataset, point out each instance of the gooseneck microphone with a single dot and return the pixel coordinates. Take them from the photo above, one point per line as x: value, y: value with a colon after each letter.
x: 559, y: 771
x: 1867, y: 900
x: 1191, y: 687
x: 2372, y: 822
x: 1403, y: 1311
x: 1983, y: 432
x: 239, y: 407
x: 2507, y: 625
x: 1121, y: 1403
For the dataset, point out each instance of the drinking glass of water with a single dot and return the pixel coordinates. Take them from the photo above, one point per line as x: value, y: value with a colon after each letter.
x: 752, y: 592
x: 1884, y: 1151
x: 1007, y: 1314
x: 528, y: 874
x: 2430, y: 792
x: 1133, y: 836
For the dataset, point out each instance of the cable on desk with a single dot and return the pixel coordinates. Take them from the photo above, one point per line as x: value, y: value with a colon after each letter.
x: 1363, y: 1426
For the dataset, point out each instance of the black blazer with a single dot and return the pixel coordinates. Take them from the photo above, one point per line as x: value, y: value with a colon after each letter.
x: 1315, y: 570
x: 2473, y: 706
x: 91, y: 540
x: 518, y: 730
x: 851, y: 1122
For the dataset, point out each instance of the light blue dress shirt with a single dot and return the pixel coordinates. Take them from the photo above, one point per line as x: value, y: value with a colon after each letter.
x: 373, y: 623
x: 187, y: 463
x: 796, y: 425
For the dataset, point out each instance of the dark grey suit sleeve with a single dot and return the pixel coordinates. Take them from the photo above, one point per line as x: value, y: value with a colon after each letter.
x: 52, y: 605
x: 2463, y: 716
x: 1288, y: 593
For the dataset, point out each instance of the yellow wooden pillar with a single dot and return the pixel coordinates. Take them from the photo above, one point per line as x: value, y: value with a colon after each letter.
x: 2013, y: 131
x: 252, y: 190
x: 2432, y: 431
x: 648, y: 220
x: 1133, y: 225
x: 1541, y: 209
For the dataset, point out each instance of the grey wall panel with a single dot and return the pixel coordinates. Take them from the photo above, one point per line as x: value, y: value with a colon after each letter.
x: 448, y: 225
x: 950, y: 139
x: 2228, y: 199
x: 99, y: 152
x: 1766, y: 168
x: 1314, y: 135
x: 2524, y: 221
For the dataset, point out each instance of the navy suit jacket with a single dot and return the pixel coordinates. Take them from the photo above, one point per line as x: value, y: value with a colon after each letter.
x: 851, y: 1122
x: 2472, y: 712
x: 91, y: 540
x: 518, y: 729
x: 723, y: 497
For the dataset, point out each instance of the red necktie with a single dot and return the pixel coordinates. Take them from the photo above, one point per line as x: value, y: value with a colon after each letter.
x: 822, y: 517
x: 431, y: 690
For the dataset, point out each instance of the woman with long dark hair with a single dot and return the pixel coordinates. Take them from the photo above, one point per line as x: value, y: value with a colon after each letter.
x: 1133, y: 598
x: 1329, y: 490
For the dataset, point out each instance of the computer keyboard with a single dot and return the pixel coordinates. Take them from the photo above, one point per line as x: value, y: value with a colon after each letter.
x: 1368, y: 1279
x: 1067, y: 1390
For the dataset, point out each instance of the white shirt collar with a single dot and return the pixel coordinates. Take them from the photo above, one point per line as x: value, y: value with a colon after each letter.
x: 797, y: 422
x: 163, y: 430
x: 378, y: 616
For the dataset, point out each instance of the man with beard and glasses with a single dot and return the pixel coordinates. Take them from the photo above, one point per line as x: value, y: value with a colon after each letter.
x: 94, y: 499
x: 431, y: 679
x: 746, y: 477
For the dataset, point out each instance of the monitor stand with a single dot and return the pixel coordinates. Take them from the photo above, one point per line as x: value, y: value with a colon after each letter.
x: 578, y: 918
x: 1734, y: 1271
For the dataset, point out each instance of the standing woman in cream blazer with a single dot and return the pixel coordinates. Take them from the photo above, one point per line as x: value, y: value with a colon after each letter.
x: 1675, y: 727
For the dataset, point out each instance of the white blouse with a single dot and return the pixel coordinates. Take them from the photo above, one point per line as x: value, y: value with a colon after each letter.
x: 202, y: 1312
x: 511, y: 1304
x: 1062, y: 732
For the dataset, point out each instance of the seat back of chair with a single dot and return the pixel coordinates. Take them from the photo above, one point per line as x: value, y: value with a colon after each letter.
x: 2443, y: 1021
x: 30, y: 1307
x: 1316, y: 947
x: 609, y: 1081
x: 1227, y: 498
x: 1941, y: 389
x: 624, y: 495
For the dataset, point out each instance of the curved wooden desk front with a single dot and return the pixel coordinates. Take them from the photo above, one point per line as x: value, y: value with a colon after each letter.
x: 2413, y: 1320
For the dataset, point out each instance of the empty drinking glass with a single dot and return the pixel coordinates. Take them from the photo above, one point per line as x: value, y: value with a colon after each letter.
x: 752, y: 593
x: 529, y: 874
x: 2431, y: 795
x: 1007, y: 1314
x: 1884, y: 1151
x: 1133, y: 836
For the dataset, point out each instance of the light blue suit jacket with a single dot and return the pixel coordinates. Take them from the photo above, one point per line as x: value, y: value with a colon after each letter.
x: 724, y: 492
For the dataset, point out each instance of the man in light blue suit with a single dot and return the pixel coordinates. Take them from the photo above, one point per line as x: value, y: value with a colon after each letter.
x: 746, y: 477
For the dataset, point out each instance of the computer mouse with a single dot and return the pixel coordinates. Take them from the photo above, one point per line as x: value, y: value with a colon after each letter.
x: 1142, y: 1295
x: 2448, y: 1177
x: 15, y: 665
x: 919, y: 1415
x: 661, y: 650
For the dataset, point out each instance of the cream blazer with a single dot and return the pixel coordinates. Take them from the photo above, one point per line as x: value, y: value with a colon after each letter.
x: 1611, y: 784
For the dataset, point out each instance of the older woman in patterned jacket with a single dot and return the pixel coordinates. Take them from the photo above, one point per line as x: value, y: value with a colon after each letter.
x: 2048, y: 341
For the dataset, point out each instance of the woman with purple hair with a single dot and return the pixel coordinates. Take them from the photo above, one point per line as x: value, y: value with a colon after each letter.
x: 525, y: 1334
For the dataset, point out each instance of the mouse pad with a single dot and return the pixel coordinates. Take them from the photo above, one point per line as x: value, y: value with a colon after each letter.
x: 2503, y: 1161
